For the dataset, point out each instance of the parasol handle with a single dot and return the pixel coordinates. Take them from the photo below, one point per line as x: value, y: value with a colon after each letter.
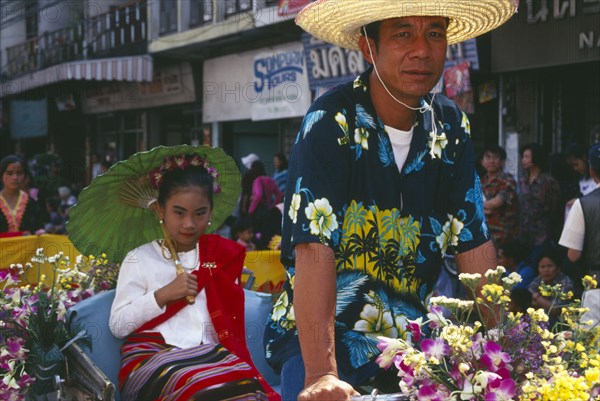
x: 169, y: 243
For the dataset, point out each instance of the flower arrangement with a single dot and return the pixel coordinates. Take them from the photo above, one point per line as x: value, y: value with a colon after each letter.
x: 33, y: 328
x: 518, y: 357
x: 182, y: 162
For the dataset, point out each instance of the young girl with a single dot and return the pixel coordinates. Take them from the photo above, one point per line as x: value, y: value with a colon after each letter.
x: 177, y: 350
x: 243, y: 234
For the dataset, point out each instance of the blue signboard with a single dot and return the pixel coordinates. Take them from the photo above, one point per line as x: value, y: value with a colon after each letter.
x: 330, y: 65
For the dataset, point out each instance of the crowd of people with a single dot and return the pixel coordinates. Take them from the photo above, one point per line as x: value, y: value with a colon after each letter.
x: 528, y: 218
x: 256, y: 223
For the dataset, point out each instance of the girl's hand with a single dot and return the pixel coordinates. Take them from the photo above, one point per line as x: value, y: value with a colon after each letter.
x: 184, y: 284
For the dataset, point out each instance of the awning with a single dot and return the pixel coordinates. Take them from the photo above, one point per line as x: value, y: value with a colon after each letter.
x: 130, y: 69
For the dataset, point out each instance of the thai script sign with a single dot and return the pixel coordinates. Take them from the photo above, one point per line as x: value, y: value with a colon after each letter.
x: 330, y: 65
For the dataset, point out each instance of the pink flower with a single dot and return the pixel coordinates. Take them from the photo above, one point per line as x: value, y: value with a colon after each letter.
x: 501, y: 390
x: 431, y: 392
x: 415, y: 329
x: 196, y: 161
x: 15, y: 346
x: 156, y: 177
x: 436, y: 348
x: 494, y: 358
x: 180, y: 162
x: 388, y: 348
x: 436, y: 315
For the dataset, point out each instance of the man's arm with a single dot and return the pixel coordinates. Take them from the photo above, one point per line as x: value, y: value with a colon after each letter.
x: 494, y: 203
x: 314, y: 307
x: 479, y: 260
x: 574, y: 255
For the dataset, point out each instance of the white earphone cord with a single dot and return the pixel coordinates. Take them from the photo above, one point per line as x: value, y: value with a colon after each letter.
x: 422, y: 109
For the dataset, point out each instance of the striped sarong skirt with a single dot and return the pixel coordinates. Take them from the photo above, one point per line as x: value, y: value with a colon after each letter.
x: 154, y: 370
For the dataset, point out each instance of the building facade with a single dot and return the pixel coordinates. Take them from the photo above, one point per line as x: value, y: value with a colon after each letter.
x: 547, y: 59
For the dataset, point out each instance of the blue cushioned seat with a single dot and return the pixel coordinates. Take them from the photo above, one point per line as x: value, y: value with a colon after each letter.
x: 93, y: 314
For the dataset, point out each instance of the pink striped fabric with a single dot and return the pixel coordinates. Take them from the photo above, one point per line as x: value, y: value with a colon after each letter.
x: 154, y: 370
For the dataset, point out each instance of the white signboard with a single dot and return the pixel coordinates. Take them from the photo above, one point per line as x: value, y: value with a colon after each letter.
x: 268, y: 84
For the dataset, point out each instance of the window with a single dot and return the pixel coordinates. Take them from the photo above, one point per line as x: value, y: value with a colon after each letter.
x: 201, y: 12
x: 31, y: 19
x: 168, y: 17
x: 233, y: 7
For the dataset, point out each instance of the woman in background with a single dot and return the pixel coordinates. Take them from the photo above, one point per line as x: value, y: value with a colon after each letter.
x: 539, y: 198
x: 21, y: 214
x: 281, y: 171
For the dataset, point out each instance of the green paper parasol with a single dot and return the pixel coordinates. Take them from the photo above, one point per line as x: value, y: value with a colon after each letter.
x: 105, y: 220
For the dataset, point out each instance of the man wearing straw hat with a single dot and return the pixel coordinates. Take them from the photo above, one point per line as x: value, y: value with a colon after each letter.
x: 382, y: 184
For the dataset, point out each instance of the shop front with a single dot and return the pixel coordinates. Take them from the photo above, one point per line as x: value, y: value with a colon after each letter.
x: 254, y: 101
x: 548, y: 60
x: 125, y: 118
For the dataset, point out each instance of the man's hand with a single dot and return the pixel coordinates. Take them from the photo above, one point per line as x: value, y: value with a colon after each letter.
x: 327, y: 388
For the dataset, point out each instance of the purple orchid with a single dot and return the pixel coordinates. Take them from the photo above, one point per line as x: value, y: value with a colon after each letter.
x: 415, y: 329
x: 436, y: 348
x: 493, y: 357
x: 436, y: 316
x: 501, y: 390
x: 15, y: 346
x: 431, y: 392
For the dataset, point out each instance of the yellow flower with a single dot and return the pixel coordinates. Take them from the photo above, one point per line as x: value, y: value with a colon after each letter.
x: 494, y: 293
x: 589, y: 282
x: 458, y: 337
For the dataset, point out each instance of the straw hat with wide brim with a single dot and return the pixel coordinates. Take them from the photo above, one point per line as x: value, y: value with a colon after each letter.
x: 339, y: 21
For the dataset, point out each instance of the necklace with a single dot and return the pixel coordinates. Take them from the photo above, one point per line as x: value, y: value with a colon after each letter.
x: 188, y: 269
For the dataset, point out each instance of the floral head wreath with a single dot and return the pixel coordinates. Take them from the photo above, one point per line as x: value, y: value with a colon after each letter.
x: 182, y: 162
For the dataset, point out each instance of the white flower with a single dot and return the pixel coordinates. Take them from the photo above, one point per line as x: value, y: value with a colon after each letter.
x: 466, y: 124
x: 322, y: 220
x: 294, y: 207
x: 361, y: 137
x: 437, y: 143
x: 493, y: 274
x: 375, y: 322
x: 450, y: 233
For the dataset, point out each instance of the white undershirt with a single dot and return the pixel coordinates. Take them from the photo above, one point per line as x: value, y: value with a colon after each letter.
x: 400, y: 144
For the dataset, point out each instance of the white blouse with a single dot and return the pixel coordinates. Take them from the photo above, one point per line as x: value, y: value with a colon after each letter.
x: 143, y: 271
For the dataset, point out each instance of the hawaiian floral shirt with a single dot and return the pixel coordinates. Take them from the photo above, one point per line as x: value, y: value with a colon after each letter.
x: 388, y: 229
